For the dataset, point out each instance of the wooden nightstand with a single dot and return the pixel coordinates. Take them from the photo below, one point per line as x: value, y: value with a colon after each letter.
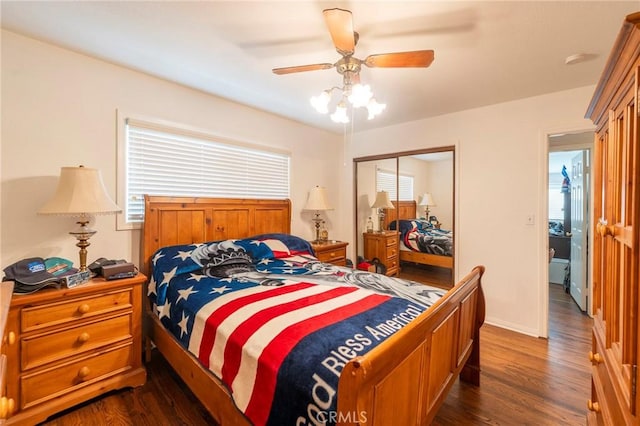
x: 66, y: 346
x: 331, y: 252
x: 384, y: 246
x: 6, y: 404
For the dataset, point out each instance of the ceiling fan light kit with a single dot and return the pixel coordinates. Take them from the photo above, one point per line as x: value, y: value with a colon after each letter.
x: 358, y: 95
x: 340, y: 25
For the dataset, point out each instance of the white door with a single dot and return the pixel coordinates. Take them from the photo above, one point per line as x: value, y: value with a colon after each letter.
x: 579, y: 217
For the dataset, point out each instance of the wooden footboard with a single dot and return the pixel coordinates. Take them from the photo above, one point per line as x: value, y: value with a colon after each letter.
x: 426, y: 259
x: 402, y: 381
x: 405, y: 379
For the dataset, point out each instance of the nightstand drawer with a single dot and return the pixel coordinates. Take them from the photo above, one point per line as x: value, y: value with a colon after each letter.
x: 332, y: 256
x: 392, y: 251
x: 391, y: 264
x: 392, y: 241
x: 334, y: 252
x: 56, y: 381
x: 38, y: 317
x: 45, y: 348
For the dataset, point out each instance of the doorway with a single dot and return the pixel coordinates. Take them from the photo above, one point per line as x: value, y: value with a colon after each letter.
x: 569, y: 207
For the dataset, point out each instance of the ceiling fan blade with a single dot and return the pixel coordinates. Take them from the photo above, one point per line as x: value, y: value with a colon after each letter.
x: 417, y: 58
x: 340, y: 24
x: 301, y: 68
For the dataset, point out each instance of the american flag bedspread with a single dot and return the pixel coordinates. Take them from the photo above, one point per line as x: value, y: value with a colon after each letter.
x: 273, y: 323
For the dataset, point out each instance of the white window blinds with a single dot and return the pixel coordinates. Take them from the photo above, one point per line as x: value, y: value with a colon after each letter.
x: 386, y: 181
x: 161, y: 162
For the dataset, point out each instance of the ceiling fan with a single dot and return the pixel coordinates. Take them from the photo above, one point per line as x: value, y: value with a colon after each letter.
x: 340, y: 25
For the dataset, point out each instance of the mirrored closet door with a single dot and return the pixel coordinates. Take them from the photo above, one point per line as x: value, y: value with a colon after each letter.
x: 405, y: 213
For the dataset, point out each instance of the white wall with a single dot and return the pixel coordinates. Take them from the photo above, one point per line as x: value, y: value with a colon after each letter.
x: 440, y: 185
x: 59, y: 109
x: 501, y: 178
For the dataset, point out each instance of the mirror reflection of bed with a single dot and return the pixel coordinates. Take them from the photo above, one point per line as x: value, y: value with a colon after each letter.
x: 424, y: 233
x: 425, y: 247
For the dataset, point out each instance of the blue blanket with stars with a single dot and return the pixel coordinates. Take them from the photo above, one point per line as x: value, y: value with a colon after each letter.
x: 273, y: 323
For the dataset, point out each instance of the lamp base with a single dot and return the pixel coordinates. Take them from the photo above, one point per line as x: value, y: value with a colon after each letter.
x: 381, y: 223
x: 317, y: 221
x: 82, y: 234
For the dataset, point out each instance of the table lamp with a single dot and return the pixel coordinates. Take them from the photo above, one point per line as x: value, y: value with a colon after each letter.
x: 80, y: 193
x: 317, y: 201
x: 426, y: 201
x: 382, y: 202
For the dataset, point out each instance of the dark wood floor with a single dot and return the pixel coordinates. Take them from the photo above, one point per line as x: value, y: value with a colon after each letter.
x: 527, y: 380
x: 524, y: 381
x: 440, y: 277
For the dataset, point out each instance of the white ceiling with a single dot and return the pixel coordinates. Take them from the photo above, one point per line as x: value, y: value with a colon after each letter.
x: 485, y: 52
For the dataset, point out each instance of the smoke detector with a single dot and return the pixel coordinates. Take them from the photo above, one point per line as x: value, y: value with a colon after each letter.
x: 577, y: 58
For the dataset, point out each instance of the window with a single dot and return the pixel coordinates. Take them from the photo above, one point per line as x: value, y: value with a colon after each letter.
x: 167, y: 161
x: 556, y: 201
x: 386, y: 181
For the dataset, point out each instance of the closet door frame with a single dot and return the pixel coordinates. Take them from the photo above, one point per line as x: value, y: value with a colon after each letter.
x: 397, y: 156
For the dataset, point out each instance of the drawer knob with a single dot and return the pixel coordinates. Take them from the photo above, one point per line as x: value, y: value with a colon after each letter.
x: 84, y: 337
x: 7, y: 406
x: 84, y: 372
x: 597, y: 358
x: 593, y: 406
x: 84, y: 308
x: 10, y: 338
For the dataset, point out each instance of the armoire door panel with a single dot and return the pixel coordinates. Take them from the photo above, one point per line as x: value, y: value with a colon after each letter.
x: 616, y: 251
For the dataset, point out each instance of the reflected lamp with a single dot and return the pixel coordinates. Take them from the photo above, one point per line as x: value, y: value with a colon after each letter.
x: 381, y: 203
x: 426, y: 201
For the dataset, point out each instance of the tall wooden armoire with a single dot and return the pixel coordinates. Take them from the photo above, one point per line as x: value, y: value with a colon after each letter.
x: 615, y: 353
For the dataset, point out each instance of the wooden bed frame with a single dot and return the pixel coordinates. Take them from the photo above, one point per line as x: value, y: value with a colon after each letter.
x: 408, y: 210
x: 404, y: 380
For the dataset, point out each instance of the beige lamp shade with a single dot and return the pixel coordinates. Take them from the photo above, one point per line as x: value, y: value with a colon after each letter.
x: 426, y: 200
x: 317, y: 199
x: 382, y: 201
x: 80, y: 192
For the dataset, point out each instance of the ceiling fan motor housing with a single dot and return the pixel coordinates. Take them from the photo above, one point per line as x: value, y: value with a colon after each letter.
x: 348, y: 64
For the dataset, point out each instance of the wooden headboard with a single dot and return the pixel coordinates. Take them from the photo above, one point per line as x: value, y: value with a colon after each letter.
x: 186, y: 220
x: 402, y: 210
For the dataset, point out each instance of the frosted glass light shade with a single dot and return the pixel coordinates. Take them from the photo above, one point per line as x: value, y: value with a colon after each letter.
x: 321, y: 102
x: 340, y: 114
x: 80, y: 192
x: 360, y: 95
x: 374, y: 108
